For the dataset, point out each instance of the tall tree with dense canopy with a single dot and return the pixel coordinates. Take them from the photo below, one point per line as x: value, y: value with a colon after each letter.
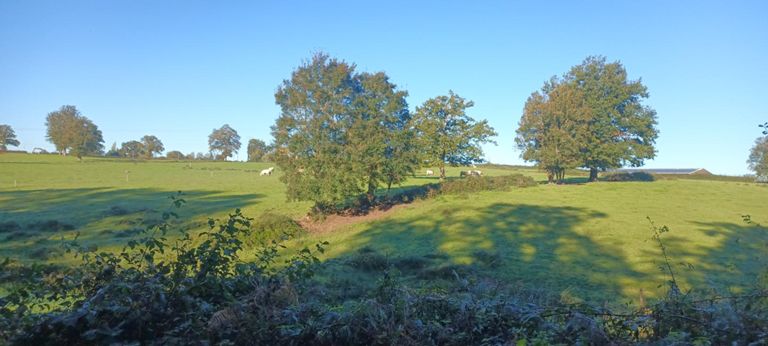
x: 340, y: 134
x: 7, y: 137
x: 257, y: 149
x: 72, y: 133
x: 223, y: 142
x: 447, y: 135
x: 132, y: 149
x: 620, y: 130
x: 152, y: 145
x: 758, y: 157
x: 551, y: 131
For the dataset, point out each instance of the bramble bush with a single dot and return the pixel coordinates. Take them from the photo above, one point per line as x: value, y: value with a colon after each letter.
x: 198, y: 290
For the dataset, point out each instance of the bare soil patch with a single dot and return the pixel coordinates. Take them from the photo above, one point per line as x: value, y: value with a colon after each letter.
x: 335, y: 221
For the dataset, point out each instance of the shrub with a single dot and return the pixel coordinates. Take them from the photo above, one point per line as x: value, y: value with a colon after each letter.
x: 477, y: 184
x: 633, y: 176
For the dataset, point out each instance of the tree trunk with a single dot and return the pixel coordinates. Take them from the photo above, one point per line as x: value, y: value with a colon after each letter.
x: 592, y: 174
x: 442, y: 173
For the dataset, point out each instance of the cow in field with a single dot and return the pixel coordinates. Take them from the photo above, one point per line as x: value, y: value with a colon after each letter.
x: 430, y: 172
x: 267, y: 171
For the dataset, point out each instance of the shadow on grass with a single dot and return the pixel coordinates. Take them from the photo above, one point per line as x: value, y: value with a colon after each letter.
x: 532, y: 245
x: 105, y: 216
x: 738, y: 262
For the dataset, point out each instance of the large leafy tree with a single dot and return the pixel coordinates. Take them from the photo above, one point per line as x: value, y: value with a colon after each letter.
x: 758, y: 157
x: 7, y: 137
x: 224, y: 142
x: 132, y: 149
x: 551, y: 131
x: 257, y: 149
x: 620, y: 130
x: 72, y: 133
x: 152, y: 145
x: 340, y: 134
x: 447, y: 135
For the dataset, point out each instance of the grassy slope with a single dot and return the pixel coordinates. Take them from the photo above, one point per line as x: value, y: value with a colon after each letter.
x: 588, y: 241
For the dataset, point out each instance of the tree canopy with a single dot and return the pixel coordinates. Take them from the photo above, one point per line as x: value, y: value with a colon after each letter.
x: 758, y: 157
x: 257, y: 149
x: 340, y: 133
x: 132, y: 149
x: 223, y: 142
x: 447, y: 135
x: 72, y: 133
x: 600, y: 109
x: 152, y: 145
x: 7, y: 137
x: 551, y: 128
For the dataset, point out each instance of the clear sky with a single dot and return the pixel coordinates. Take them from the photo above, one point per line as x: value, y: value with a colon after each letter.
x: 178, y: 69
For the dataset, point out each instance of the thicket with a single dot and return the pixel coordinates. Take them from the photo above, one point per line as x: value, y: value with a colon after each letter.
x: 199, y: 290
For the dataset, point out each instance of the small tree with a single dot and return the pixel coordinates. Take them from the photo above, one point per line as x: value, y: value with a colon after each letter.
x: 132, y: 149
x: 223, y: 142
x: 257, y: 149
x: 7, y: 137
x: 447, y: 135
x: 113, y: 151
x: 758, y: 157
x: 152, y: 145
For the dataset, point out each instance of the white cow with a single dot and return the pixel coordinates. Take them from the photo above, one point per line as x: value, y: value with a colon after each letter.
x: 430, y: 172
x: 267, y: 171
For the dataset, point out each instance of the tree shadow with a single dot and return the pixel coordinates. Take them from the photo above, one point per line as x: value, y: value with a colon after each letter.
x: 735, y: 263
x: 104, y: 216
x: 536, y: 246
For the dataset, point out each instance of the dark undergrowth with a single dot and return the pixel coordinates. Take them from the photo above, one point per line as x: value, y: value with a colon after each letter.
x: 197, y: 290
x: 471, y: 184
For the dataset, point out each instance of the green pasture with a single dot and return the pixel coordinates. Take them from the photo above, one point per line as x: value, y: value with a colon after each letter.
x: 581, y: 241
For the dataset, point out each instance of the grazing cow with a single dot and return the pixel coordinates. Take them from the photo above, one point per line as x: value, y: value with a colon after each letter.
x: 430, y: 172
x: 267, y: 171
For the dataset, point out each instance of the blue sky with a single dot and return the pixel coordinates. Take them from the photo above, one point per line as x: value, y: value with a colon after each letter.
x: 178, y: 69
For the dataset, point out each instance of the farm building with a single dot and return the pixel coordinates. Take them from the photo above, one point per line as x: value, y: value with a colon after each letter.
x: 678, y: 171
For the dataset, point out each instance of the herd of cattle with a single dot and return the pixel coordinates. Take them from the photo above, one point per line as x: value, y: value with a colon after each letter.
x: 429, y: 172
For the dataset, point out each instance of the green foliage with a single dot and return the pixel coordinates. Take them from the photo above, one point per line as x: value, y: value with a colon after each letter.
x: 151, y: 146
x: 7, y: 137
x: 73, y: 133
x: 447, y: 135
x: 153, y: 290
x: 257, y: 150
x: 592, y: 117
x: 132, y: 149
x: 175, y: 155
x: 758, y: 157
x: 634, y: 176
x: 223, y: 142
x: 340, y: 133
x: 477, y: 184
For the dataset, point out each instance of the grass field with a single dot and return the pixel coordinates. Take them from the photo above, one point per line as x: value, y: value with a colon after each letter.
x: 582, y: 241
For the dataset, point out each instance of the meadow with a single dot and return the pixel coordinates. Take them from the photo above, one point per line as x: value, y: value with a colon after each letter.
x: 581, y: 241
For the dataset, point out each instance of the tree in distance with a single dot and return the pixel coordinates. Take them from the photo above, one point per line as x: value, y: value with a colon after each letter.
x: 600, y: 109
x: 175, y: 155
x: 152, y: 145
x: 7, y: 137
x: 257, y: 149
x: 447, y: 135
x: 113, y: 151
x: 340, y: 134
x: 72, y: 133
x: 223, y: 142
x: 758, y: 157
x: 132, y: 149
